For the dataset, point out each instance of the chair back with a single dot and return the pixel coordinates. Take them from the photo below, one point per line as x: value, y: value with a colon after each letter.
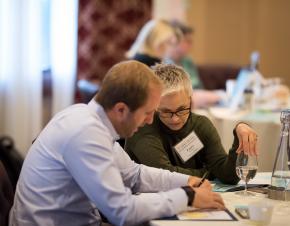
x: 215, y: 76
x: 11, y: 159
x: 6, y: 196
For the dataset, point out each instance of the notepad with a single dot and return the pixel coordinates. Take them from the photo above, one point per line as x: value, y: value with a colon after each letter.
x: 206, y: 215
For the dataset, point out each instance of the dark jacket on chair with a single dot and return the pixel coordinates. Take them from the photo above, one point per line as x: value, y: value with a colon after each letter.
x: 11, y: 159
x: 6, y: 196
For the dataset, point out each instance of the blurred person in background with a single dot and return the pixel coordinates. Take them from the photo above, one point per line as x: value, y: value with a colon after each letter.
x: 153, y: 42
x: 179, y: 54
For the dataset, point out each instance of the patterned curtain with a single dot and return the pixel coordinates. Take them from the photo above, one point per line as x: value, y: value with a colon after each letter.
x: 107, y: 28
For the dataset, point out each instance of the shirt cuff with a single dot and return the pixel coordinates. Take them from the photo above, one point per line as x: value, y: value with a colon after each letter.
x: 178, y: 199
x: 179, y: 180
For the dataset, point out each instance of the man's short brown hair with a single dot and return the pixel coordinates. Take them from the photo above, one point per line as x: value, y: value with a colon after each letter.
x: 127, y: 82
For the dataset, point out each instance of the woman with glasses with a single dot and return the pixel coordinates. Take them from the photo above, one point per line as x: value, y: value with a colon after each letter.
x: 181, y: 141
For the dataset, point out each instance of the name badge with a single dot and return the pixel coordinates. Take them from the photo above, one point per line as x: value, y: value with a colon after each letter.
x: 188, y: 146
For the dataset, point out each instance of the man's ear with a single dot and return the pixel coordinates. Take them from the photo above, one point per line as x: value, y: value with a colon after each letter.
x: 121, y: 111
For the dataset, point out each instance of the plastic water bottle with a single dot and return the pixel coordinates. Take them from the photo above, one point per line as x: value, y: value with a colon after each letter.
x: 255, y: 58
x: 280, y: 181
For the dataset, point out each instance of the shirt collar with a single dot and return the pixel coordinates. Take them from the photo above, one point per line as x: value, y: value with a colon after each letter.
x: 96, y: 107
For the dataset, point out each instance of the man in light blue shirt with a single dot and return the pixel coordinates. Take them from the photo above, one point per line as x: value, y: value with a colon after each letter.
x: 75, y: 167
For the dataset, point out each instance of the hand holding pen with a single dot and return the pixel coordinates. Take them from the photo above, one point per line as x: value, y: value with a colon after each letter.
x: 204, y: 196
x: 203, y: 178
x: 196, y: 181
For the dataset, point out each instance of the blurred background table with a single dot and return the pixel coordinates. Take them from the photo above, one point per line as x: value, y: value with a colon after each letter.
x: 266, y: 124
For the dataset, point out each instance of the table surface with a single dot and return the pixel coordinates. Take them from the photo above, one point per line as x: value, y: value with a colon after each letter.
x: 279, y: 217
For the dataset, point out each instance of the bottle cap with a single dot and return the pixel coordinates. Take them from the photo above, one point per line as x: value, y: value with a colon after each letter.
x: 285, y: 116
x: 248, y: 90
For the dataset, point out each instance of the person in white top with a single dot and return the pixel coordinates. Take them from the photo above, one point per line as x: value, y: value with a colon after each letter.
x: 75, y: 168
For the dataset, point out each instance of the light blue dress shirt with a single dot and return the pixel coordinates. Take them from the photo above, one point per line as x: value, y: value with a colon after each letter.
x: 75, y: 168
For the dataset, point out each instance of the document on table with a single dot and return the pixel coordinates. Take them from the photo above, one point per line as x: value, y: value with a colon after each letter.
x: 260, y: 181
x: 206, y: 215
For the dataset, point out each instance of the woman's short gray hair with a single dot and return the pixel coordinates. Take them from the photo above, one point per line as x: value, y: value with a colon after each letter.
x: 173, y: 77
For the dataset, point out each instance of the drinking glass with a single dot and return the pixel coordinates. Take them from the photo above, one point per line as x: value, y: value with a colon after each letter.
x: 246, y: 169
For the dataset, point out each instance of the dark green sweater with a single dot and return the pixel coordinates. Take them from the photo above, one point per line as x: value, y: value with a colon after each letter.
x: 153, y: 145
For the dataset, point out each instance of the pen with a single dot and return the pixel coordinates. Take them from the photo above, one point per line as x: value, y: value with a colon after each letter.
x: 203, y: 178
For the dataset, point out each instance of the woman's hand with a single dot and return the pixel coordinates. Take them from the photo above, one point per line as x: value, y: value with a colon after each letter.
x: 247, y: 139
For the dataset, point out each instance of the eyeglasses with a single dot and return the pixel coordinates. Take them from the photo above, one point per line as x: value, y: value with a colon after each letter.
x: 179, y: 113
